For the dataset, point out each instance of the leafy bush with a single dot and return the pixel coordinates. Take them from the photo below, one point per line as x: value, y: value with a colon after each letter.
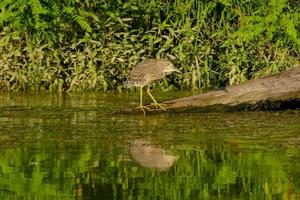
x: 91, y: 45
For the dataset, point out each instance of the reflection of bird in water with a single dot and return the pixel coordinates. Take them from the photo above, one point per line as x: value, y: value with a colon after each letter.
x: 150, y: 156
x: 147, y: 72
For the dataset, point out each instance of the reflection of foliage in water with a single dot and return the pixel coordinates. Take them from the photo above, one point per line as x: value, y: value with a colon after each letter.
x: 63, y: 146
x: 86, y: 171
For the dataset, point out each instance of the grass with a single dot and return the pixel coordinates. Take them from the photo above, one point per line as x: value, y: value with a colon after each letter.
x: 91, y: 46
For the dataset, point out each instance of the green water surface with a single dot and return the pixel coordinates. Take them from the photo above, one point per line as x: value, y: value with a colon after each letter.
x: 72, y: 146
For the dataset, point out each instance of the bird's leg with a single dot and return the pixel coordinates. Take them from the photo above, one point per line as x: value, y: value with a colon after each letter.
x: 141, y: 102
x: 155, y: 102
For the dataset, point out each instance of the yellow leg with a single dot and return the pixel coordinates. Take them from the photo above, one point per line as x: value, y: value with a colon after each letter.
x: 141, y: 97
x: 141, y: 102
x: 155, y: 102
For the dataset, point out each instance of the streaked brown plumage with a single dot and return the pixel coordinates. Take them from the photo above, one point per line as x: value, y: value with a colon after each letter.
x: 146, y: 73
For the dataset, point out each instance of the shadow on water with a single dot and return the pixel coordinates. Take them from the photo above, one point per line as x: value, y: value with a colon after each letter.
x: 70, y: 146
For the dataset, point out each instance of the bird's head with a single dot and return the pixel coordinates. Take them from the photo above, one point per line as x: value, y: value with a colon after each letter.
x: 169, y: 67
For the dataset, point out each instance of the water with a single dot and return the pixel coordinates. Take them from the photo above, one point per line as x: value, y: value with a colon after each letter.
x: 72, y: 146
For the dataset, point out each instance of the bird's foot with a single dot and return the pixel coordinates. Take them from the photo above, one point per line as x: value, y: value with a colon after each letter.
x: 157, y: 105
x: 143, y: 109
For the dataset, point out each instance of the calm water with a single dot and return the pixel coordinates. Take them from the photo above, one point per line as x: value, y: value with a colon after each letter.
x: 72, y: 147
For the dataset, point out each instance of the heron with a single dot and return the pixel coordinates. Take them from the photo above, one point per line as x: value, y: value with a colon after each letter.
x: 145, y: 73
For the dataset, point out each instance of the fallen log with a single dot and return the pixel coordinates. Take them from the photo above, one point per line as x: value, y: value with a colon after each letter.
x: 278, y: 91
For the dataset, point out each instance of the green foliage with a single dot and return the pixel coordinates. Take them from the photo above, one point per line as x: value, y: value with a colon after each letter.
x: 55, y: 20
x: 91, y: 45
x: 274, y: 21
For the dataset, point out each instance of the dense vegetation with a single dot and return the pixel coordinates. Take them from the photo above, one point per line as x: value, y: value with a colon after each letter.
x: 91, y: 45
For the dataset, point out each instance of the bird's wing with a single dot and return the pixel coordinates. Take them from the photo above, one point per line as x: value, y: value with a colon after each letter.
x: 145, y: 73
